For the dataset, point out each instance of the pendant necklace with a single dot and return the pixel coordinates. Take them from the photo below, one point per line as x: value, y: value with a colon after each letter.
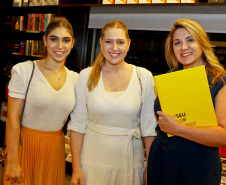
x: 58, y: 77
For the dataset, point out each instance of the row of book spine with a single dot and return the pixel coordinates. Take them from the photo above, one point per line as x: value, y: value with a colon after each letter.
x: 27, y: 47
x: 32, y: 23
x: 38, y: 22
x: 19, y: 3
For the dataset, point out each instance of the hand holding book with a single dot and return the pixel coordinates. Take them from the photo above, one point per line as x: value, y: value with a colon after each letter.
x: 167, y: 123
x: 185, y: 95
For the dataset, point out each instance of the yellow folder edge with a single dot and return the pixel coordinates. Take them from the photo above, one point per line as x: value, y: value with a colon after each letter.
x: 185, y: 94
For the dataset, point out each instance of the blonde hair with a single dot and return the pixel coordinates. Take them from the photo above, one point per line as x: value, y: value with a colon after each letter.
x: 100, y: 60
x: 213, y: 66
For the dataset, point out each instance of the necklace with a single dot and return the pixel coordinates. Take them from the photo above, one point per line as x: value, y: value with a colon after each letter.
x: 58, y: 77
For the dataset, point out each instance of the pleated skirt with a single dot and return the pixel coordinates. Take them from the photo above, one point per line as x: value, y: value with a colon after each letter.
x: 42, y: 157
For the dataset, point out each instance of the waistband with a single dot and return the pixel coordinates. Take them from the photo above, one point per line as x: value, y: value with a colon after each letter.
x: 41, y: 133
x: 115, y: 131
x: 175, y: 143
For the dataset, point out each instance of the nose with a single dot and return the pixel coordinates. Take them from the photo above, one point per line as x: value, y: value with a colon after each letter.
x: 60, y: 44
x: 115, y: 46
x: 184, y: 46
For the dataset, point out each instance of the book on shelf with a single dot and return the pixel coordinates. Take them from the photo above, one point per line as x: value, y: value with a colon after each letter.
x: 36, y: 2
x: 42, y: 23
x: 18, y: 23
x: 120, y: 1
x: 40, y: 2
x: 46, y: 21
x: 16, y: 47
x: 38, y: 22
x: 108, y: 2
x: 54, y: 2
x: 22, y: 47
x: 47, y: 2
x: 25, y: 2
x: 132, y: 1
x: 22, y: 23
x: 185, y: 94
x: 17, y: 3
x: 48, y: 18
x: 27, y: 46
x: 43, y: 2
x: 40, y: 48
x: 15, y: 23
x: 32, y: 24
x: 32, y: 3
x: 144, y: 1
x: 33, y: 48
x: 28, y: 22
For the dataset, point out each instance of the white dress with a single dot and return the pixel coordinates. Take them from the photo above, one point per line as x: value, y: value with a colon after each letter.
x: 112, y: 151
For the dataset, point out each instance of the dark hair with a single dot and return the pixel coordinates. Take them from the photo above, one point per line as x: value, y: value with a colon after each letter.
x: 56, y: 22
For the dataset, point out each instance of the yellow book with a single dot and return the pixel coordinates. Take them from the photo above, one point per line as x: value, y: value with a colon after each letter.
x: 185, y: 94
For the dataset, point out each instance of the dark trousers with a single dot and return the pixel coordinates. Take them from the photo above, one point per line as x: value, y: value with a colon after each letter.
x: 172, y: 163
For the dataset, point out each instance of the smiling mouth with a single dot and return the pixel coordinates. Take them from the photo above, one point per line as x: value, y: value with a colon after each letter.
x: 186, y: 54
x: 59, y: 52
x: 114, y: 54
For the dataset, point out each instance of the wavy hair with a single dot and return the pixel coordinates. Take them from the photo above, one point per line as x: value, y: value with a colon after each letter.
x: 213, y: 66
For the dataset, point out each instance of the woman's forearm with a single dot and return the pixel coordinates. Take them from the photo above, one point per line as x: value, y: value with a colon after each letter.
x: 76, y: 141
x: 147, y: 144
x: 12, y: 140
x: 15, y: 110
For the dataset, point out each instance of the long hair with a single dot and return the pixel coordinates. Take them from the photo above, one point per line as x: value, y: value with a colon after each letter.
x: 57, y: 22
x: 100, y: 60
x: 213, y: 66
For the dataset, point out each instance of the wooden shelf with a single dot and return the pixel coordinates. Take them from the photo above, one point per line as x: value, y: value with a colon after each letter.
x: 210, y: 8
x: 160, y: 16
x: 31, y: 9
x: 78, y: 5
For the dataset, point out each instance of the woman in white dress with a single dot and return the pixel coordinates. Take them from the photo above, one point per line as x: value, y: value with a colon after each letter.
x: 114, y: 109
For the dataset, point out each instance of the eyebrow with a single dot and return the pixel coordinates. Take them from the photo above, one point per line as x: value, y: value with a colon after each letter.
x: 185, y: 38
x: 53, y: 36
x: 115, y: 39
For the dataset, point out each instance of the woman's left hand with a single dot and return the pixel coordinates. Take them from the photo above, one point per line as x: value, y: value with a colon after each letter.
x: 168, y: 123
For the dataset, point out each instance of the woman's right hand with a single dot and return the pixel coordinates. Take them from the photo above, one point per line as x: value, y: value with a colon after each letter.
x: 77, y: 177
x: 14, y: 172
